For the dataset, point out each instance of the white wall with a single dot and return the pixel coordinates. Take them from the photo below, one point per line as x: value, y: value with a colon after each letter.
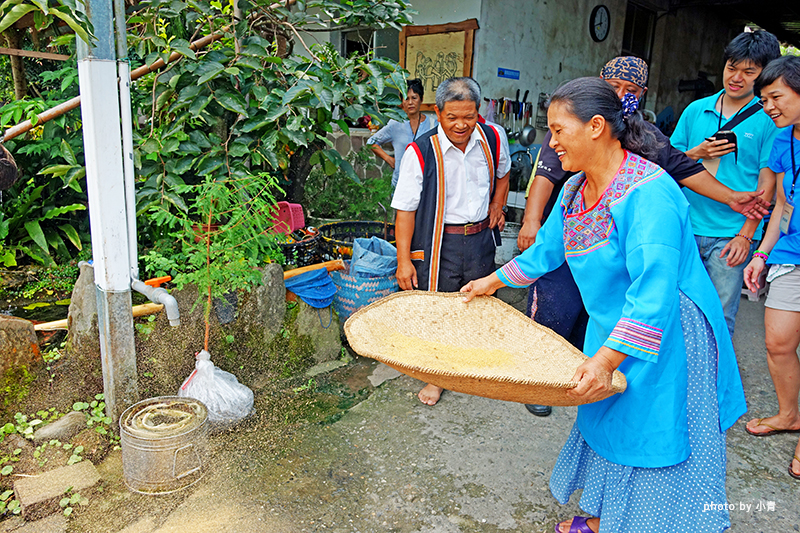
x: 547, y: 41
x: 444, y: 11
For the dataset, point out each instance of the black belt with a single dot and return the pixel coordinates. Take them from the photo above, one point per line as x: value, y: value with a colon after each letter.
x: 467, y: 229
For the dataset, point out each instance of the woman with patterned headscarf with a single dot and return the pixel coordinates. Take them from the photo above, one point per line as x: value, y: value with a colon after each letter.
x: 651, y: 459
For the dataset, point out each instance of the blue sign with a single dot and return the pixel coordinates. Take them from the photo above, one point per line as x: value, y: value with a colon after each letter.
x: 507, y: 73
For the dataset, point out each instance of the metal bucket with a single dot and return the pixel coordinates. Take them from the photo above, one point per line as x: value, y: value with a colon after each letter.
x: 163, y: 444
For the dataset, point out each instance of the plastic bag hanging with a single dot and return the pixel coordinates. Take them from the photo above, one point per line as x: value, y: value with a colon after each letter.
x: 227, y: 400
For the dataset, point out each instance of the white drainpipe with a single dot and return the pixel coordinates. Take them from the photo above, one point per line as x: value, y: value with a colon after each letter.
x: 111, y: 200
x: 97, y: 70
x: 124, y: 71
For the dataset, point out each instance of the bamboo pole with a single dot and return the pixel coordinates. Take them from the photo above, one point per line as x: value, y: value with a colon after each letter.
x: 138, y: 310
x: 336, y: 264
x: 32, y: 53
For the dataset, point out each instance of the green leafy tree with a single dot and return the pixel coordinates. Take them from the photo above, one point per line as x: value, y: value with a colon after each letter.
x: 257, y: 102
x: 45, y: 211
x: 44, y: 17
x: 249, y: 103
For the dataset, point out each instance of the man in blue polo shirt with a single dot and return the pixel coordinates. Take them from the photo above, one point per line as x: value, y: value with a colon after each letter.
x: 725, y: 238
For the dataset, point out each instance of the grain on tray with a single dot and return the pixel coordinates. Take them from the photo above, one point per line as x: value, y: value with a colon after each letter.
x: 441, y: 356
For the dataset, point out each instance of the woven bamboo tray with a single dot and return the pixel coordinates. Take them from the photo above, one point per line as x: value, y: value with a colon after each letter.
x: 485, y: 348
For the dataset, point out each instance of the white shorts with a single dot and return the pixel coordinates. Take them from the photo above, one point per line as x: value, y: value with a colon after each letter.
x: 784, y: 292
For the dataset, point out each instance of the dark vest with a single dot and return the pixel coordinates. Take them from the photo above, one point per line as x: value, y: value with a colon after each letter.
x: 426, y: 243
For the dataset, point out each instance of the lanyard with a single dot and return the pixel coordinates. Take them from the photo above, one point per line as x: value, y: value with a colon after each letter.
x: 721, y: 102
x: 795, y: 171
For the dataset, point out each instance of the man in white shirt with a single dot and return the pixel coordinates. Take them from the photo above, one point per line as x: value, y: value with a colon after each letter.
x: 450, y: 196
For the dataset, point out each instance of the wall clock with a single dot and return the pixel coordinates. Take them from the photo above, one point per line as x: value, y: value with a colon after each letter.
x: 599, y: 23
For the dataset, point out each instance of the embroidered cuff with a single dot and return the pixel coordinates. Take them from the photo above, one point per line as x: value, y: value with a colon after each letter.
x: 511, y: 275
x: 637, y: 336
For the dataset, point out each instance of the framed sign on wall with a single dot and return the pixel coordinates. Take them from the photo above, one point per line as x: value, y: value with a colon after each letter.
x: 435, y: 53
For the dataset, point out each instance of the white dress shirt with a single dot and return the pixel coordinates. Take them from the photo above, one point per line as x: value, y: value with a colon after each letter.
x: 466, y: 179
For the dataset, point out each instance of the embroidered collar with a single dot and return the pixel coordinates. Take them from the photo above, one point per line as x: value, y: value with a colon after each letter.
x: 587, y: 229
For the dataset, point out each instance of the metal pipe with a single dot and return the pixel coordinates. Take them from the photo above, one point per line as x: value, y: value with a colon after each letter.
x: 120, y: 31
x: 128, y: 171
x: 160, y: 296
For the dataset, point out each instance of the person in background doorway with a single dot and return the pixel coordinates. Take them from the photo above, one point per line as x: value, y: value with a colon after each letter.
x: 780, y: 91
x: 401, y: 134
x: 450, y: 195
x: 727, y: 239
x: 554, y: 300
x: 650, y: 458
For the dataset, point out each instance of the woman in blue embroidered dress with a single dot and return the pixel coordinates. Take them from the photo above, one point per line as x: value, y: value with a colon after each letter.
x: 653, y: 457
x: 779, y: 83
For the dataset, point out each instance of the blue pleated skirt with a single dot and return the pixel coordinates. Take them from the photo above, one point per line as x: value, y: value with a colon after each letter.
x: 689, y: 496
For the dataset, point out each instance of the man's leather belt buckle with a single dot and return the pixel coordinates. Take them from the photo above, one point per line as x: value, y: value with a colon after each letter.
x: 467, y: 229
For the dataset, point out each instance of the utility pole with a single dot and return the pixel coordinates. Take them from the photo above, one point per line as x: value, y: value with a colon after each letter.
x: 109, y: 201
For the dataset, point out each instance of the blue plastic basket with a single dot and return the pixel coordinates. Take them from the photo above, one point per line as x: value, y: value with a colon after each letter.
x: 355, y: 292
x: 314, y: 288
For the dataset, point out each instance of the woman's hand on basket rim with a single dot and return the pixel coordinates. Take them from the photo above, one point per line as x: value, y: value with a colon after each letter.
x: 479, y: 287
x: 594, y: 376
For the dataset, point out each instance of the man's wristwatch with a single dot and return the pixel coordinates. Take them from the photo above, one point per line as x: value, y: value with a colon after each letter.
x: 505, y: 210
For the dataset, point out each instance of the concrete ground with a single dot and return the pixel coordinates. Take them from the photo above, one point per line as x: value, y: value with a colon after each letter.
x: 468, y: 464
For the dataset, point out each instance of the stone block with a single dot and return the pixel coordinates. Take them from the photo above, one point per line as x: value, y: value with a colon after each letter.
x: 84, y: 334
x: 62, y: 429
x: 342, y: 144
x: 262, y: 312
x: 322, y: 327
x: 39, y: 495
x: 18, y: 343
x: 56, y: 523
x: 381, y: 374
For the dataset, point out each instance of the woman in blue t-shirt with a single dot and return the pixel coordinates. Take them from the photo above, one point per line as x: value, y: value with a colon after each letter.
x: 780, y: 249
